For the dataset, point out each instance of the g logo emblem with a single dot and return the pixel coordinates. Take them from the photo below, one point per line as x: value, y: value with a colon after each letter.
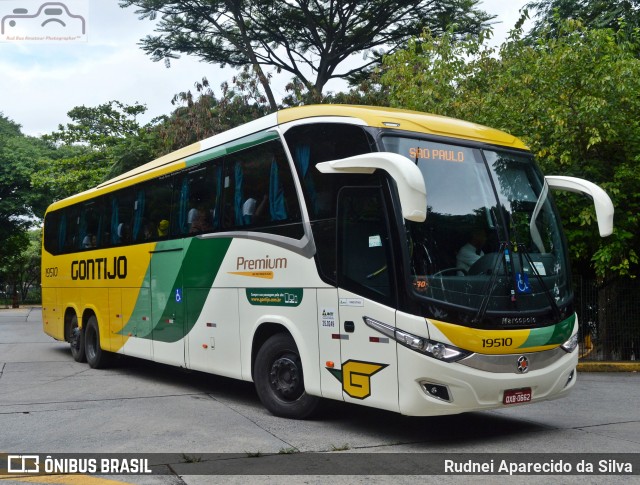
x: 356, y: 377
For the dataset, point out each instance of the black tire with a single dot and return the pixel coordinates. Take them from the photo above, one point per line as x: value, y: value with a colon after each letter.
x: 76, y: 341
x: 279, y: 381
x: 96, y: 357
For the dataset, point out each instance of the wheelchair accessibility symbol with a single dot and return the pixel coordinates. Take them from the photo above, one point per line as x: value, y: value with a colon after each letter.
x: 522, y: 282
x: 178, y: 295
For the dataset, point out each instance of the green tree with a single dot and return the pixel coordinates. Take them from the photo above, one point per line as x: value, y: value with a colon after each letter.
x: 100, y: 143
x: 19, y: 204
x: 20, y: 266
x: 622, y: 16
x: 201, y: 114
x: 572, y: 98
x: 309, y: 40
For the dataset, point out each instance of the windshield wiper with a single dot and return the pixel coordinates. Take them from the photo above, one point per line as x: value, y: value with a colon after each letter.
x: 507, y: 260
x: 522, y: 249
x: 503, y: 253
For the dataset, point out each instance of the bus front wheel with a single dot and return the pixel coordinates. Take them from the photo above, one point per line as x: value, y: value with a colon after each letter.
x: 96, y: 357
x: 76, y: 341
x: 279, y: 380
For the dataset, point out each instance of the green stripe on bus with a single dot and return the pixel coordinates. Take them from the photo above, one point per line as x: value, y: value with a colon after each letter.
x: 551, y: 335
x: 231, y: 147
x: 178, y: 277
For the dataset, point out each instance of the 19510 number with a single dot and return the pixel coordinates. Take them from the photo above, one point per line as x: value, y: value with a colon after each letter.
x: 497, y: 342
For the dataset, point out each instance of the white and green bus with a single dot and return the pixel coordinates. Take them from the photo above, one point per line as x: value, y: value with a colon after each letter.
x: 395, y: 259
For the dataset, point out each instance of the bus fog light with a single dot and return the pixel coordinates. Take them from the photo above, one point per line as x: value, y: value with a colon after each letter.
x: 570, y: 378
x: 571, y: 344
x: 436, y: 390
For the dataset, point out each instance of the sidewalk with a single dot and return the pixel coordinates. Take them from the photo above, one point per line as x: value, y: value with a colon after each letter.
x: 595, y: 366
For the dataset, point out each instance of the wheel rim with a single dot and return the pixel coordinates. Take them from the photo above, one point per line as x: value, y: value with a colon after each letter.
x: 74, y: 341
x: 90, y: 344
x: 285, y: 377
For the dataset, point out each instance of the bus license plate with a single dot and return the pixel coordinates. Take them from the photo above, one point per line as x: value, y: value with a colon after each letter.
x: 517, y: 396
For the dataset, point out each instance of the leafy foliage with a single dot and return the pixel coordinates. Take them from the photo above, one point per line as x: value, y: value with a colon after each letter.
x: 623, y: 16
x: 200, y: 115
x: 19, y: 203
x: 20, y: 266
x: 572, y: 98
x: 101, y: 143
x: 309, y: 40
x: 19, y: 155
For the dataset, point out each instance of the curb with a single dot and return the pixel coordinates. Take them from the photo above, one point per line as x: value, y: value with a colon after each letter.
x: 609, y: 366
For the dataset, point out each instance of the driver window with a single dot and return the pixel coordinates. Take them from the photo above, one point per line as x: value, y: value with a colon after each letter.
x: 364, y: 252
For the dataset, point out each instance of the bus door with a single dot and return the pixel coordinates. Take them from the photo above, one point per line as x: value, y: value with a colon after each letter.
x: 167, y: 302
x: 368, y: 367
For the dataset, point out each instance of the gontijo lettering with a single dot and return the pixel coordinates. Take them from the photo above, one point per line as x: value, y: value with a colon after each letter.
x: 99, y: 268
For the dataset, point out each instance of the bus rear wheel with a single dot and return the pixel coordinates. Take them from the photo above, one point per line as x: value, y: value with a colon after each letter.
x: 96, y: 357
x: 76, y: 341
x: 279, y: 380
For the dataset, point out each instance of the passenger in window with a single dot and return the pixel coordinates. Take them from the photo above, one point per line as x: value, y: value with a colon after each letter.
x: 472, y: 251
x: 89, y: 241
x: 163, y: 228
x: 147, y: 231
x: 199, y: 219
x: 123, y: 232
x: 252, y: 210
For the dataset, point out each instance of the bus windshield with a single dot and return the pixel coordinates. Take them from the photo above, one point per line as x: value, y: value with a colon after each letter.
x: 491, y: 244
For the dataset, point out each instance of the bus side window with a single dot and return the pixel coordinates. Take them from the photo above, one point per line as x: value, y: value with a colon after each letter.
x: 204, y: 185
x: 160, y: 212
x: 251, y: 190
x: 52, y: 222
x: 120, y: 209
x: 152, y: 210
x: 71, y: 240
x: 90, y: 227
x: 258, y: 191
x: 321, y: 142
x: 193, y: 201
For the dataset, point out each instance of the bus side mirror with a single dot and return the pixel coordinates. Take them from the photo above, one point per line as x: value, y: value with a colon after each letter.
x: 405, y: 173
x: 602, y: 202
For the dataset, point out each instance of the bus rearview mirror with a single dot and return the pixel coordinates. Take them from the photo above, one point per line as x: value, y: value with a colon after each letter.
x: 601, y: 200
x: 405, y: 173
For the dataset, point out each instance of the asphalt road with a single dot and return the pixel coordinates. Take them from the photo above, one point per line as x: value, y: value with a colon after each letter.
x: 50, y: 404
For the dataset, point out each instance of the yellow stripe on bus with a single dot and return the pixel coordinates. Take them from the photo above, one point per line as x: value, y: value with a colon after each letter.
x: 493, y: 342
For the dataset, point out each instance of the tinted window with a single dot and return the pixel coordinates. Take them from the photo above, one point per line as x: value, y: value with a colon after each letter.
x: 312, y: 144
x: 251, y: 190
x: 258, y: 191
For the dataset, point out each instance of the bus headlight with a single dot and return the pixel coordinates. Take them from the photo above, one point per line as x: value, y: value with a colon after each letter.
x: 571, y: 344
x: 437, y: 350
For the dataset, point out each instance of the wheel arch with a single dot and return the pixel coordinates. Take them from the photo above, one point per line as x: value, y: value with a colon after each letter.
x: 69, y: 313
x: 264, y: 332
x: 91, y: 311
x: 307, y: 347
